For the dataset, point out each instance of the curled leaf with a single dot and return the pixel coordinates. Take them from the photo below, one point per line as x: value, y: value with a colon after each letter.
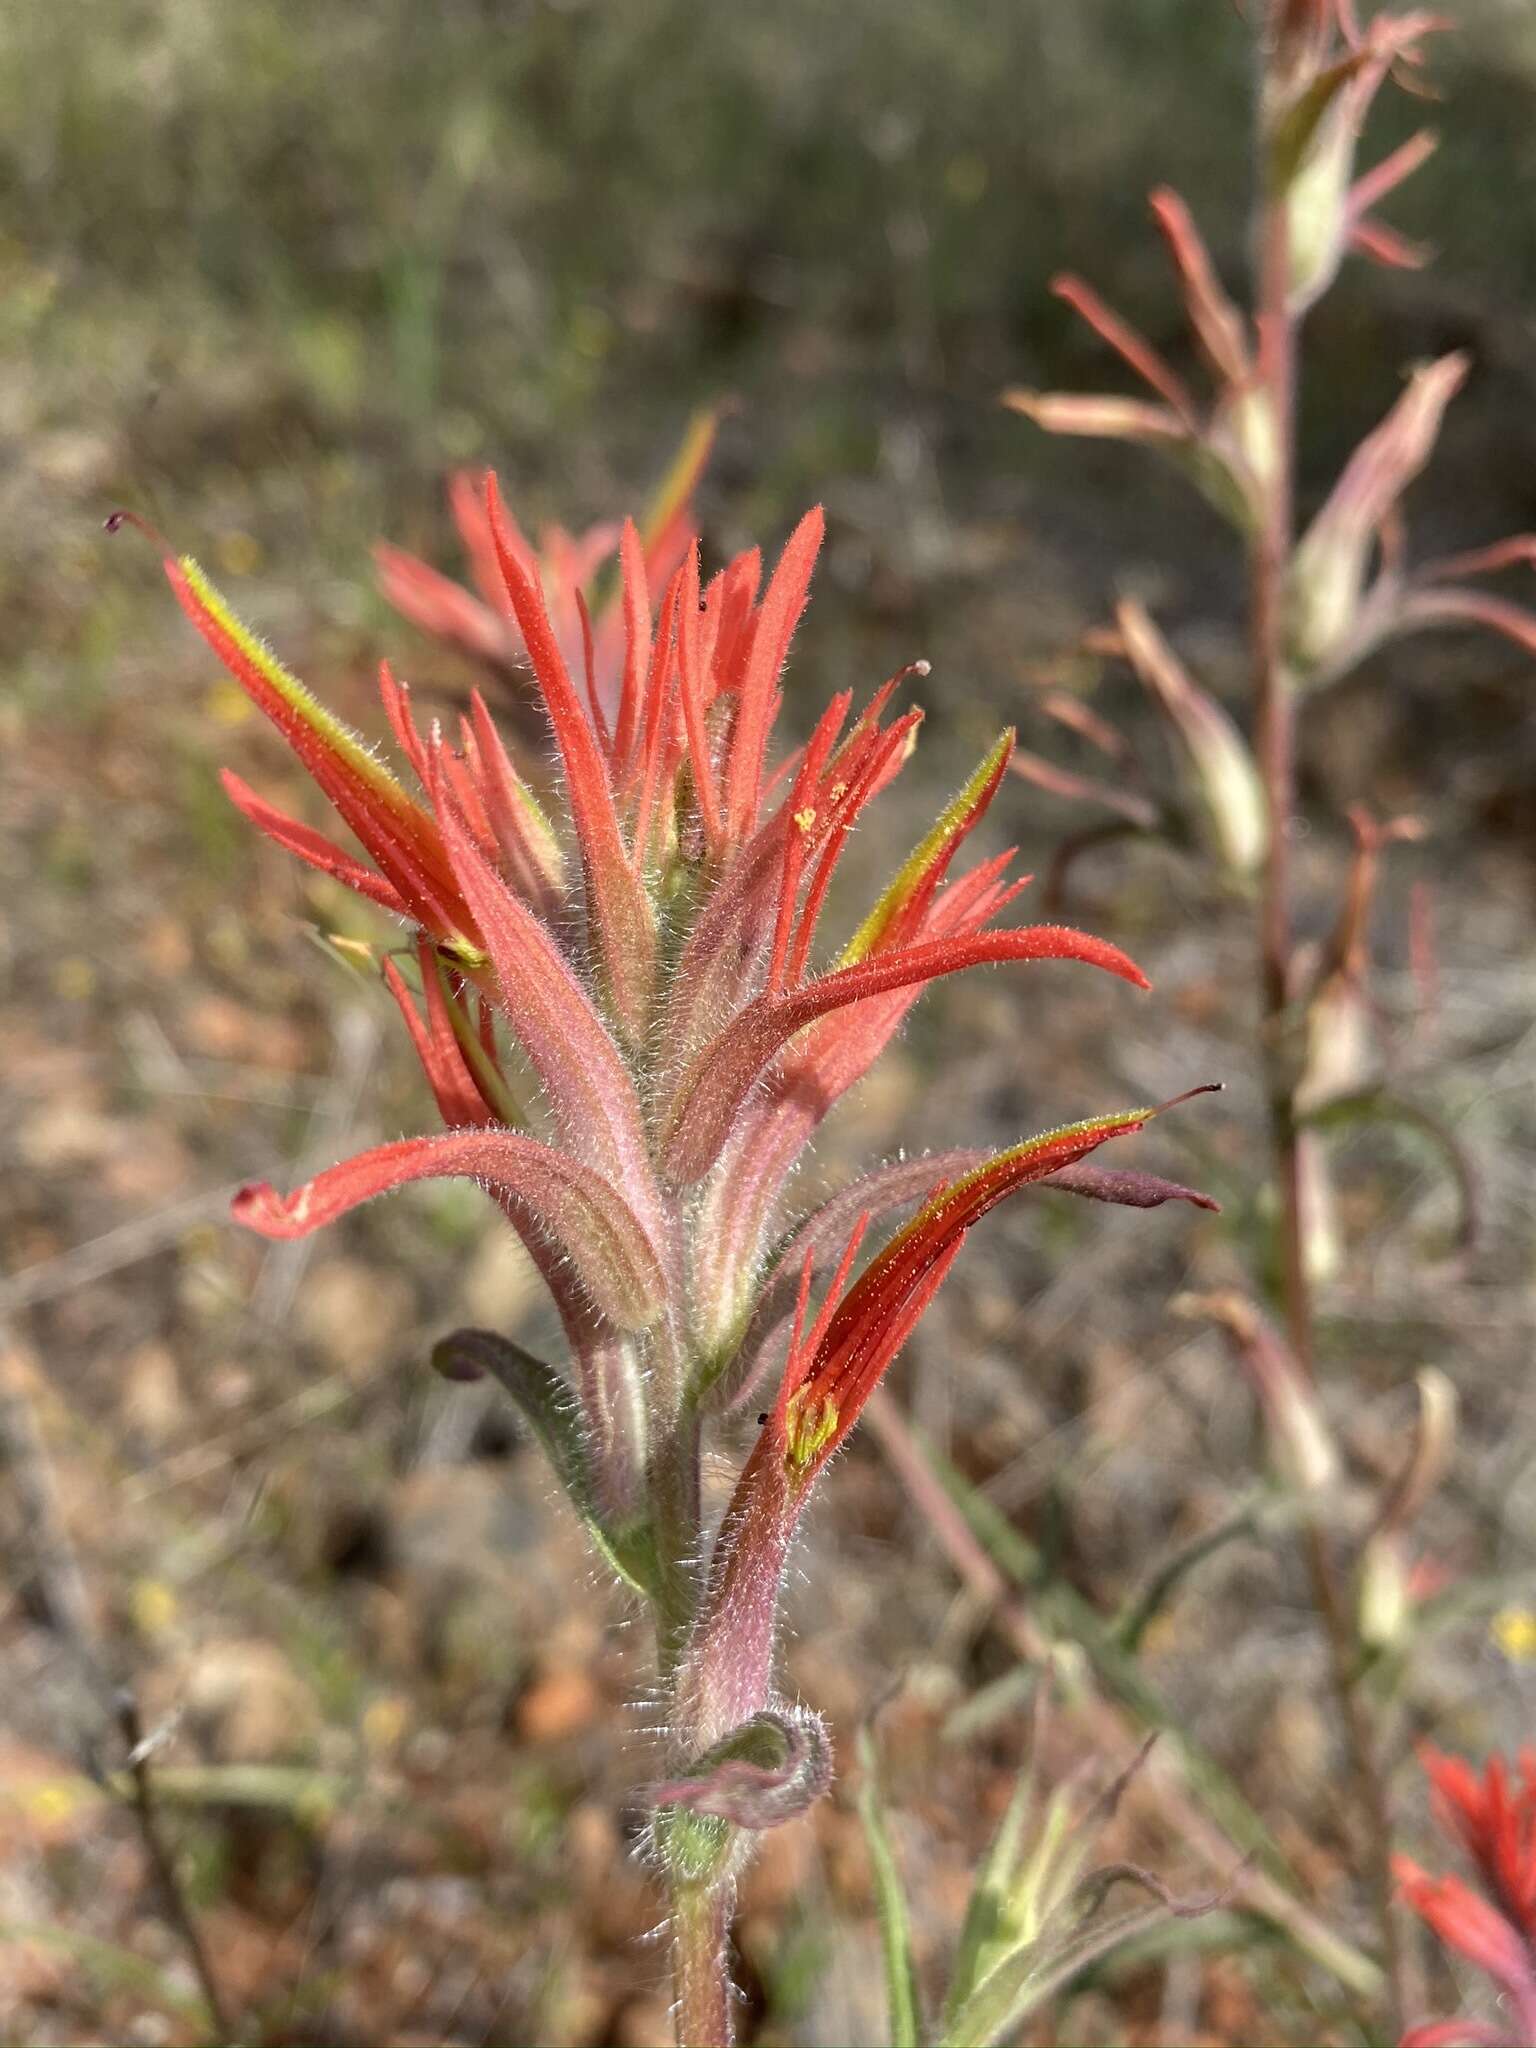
x: 770, y: 1770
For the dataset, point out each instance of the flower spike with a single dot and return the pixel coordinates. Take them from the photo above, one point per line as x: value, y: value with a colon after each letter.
x: 1223, y: 445
x: 636, y: 1109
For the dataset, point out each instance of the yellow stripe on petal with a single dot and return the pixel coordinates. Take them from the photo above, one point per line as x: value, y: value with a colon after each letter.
x: 931, y: 848
x: 1063, y: 1141
x: 338, y: 739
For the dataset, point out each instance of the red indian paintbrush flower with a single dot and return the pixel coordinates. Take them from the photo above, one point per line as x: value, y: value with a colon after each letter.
x: 632, y: 1031
x: 649, y: 1069
x: 1494, y: 1819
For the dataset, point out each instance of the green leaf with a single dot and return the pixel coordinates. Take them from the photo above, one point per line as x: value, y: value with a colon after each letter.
x: 546, y: 1403
x: 1037, y: 1971
x: 890, y: 1903
x: 1379, y: 1106
x: 986, y: 1913
x: 1065, y: 1613
x: 1138, y: 1615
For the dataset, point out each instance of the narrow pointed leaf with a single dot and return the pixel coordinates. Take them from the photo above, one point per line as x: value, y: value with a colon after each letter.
x: 527, y: 841
x: 1037, y: 1971
x: 891, y: 1909
x: 1130, y: 1189
x: 395, y: 830
x: 618, y: 906
x: 1132, y: 347
x: 1440, y: 604
x: 1374, y: 185
x: 310, y: 846
x: 1136, y: 810
x: 912, y: 888
x: 695, y: 701
x: 316, y: 736
x: 777, y: 617
x: 1215, y: 319
x: 635, y: 599
x: 575, y: 1207
x: 1374, y: 239
x: 722, y: 1077
x: 987, y: 1909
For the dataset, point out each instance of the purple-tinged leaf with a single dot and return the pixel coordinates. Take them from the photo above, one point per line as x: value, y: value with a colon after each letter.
x: 772, y: 1769
x: 1132, y: 1190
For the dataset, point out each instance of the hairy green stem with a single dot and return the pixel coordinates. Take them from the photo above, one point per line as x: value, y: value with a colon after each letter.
x: 701, y: 1928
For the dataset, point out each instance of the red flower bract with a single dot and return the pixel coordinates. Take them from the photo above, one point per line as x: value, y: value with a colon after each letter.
x: 630, y: 1039
x: 1493, y: 1816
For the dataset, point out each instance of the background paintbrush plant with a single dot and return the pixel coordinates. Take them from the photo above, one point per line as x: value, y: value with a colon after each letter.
x: 631, y: 1046
x: 1322, y: 596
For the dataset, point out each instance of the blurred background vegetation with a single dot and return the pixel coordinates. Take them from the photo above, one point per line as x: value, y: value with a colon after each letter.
x: 267, y: 273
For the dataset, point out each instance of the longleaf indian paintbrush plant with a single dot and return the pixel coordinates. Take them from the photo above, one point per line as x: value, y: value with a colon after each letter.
x: 631, y: 1043
x: 1322, y: 596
